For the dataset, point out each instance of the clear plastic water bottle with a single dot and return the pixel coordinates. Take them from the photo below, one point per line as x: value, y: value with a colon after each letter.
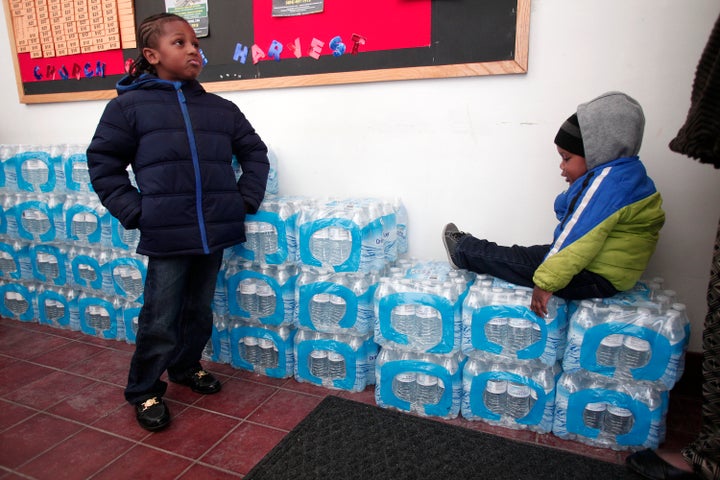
x: 336, y: 309
x: 635, y: 352
x: 427, y: 389
x: 519, y: 333
x: 674, y: 329
x: 594, y: 414
x: 252, y: 353
x: 617, y: 420
x: 609, y: 350
x: 266, y: 299
x: 429, y: 326
x: 319, y: 306
x: 339, y: 244
x: 496, y: 330
x: 336, y: 365
x: 268, y: 238
x: 404, y: 386
x: 319, y: 363
x: 402, y: 319
x: 268, y: 353
x: 252, y: 241
x: 495, y: 396
x: 518, y: 399
x: 247, y: 296
x: 319, y: 245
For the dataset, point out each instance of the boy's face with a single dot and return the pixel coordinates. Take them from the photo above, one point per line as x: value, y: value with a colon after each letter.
x: 573, y: 166
x: 177, y: 55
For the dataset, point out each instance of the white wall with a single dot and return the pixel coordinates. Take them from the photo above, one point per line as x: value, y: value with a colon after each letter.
x: 479, y: 151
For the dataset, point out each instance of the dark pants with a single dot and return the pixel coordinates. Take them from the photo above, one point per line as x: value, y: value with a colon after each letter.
x: 175, y: 322
x: 517, y: 265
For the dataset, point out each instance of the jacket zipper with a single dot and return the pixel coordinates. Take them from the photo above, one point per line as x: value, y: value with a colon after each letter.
x: 196, y: 166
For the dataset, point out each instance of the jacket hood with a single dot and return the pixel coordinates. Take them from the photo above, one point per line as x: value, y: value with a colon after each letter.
x: 146, y: 80
x: 612, y: 127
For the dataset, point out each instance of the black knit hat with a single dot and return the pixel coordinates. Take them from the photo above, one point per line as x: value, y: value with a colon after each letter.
x: 569, y: 137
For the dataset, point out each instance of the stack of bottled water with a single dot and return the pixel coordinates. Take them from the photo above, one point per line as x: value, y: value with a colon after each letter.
x: 350, y: 235
x: 335, y: 302
x: 604, y: 412
x: 424, y: 383
x: 514, y: 355
x: 496, y: 318
x: 629, y: 342
x: 260, y: 312
x: 339, y: 361
x: 417, y: 305
x: 263, y: 349
x: 58, y: 246
x: 335, y: 318
x: 510, y: 393
x: 635, y: 343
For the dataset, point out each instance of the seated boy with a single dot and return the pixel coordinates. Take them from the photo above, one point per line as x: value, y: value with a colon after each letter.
x: 609, y: 217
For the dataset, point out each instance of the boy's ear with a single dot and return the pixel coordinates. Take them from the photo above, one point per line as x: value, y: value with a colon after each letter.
x: 151, y: 55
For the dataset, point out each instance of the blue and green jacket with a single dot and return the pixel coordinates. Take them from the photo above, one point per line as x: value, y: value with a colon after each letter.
x: 609, y: 218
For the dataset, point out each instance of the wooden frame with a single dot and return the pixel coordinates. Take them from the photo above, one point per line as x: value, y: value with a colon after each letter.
x: 518, y: 65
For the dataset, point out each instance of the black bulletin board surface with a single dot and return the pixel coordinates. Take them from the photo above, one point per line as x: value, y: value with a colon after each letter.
x: 468, y: 38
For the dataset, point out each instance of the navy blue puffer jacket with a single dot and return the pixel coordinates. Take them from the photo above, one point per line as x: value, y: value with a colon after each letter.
x: 180, y: 141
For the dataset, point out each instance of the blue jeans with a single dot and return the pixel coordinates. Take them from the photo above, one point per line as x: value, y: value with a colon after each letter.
x: 517, y: 265
x: 175, y: 322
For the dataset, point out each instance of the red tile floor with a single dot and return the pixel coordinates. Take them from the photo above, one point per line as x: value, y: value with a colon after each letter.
x: 63, y: 416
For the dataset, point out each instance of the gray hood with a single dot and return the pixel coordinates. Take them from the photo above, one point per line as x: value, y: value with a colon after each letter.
x: 612, y: 127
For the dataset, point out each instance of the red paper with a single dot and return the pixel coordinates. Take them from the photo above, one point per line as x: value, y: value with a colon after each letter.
x: 385, y: 25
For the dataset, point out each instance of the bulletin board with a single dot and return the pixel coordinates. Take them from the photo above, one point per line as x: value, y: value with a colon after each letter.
x: 70, y: 50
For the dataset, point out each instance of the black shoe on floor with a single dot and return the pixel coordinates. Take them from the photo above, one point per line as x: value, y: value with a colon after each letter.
x: 648, y: 464
x: 153, y: 414
x: 200, y: 381
x: 451, y: 236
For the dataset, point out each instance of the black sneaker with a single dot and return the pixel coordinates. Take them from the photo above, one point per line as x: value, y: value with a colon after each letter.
x: 200, y: 381
x: 153, y: 414
x: 451, y: 236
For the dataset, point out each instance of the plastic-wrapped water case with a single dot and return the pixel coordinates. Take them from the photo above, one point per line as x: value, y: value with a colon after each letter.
x: 86, y: 221
x: 262, y: 293
x: 87, y: 267
x: 419, y: 315
x: 267, y: 350
x: 335, y: 302
x: 604, y: 412
x: 127, y: 274
x: 348, y: 235
x: 510, y: 393
x: 498, y: 320
x: 30, y: 168
x: 57, y: 307
x: 423, y: 383
x: 100, y: 316
x: 628, y: 343
x: 335, y: 361
x: 12, y: 258
x: 49, y: 264
x: 35, y: 218
x: 271, y: 233
x: 18, y: 301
